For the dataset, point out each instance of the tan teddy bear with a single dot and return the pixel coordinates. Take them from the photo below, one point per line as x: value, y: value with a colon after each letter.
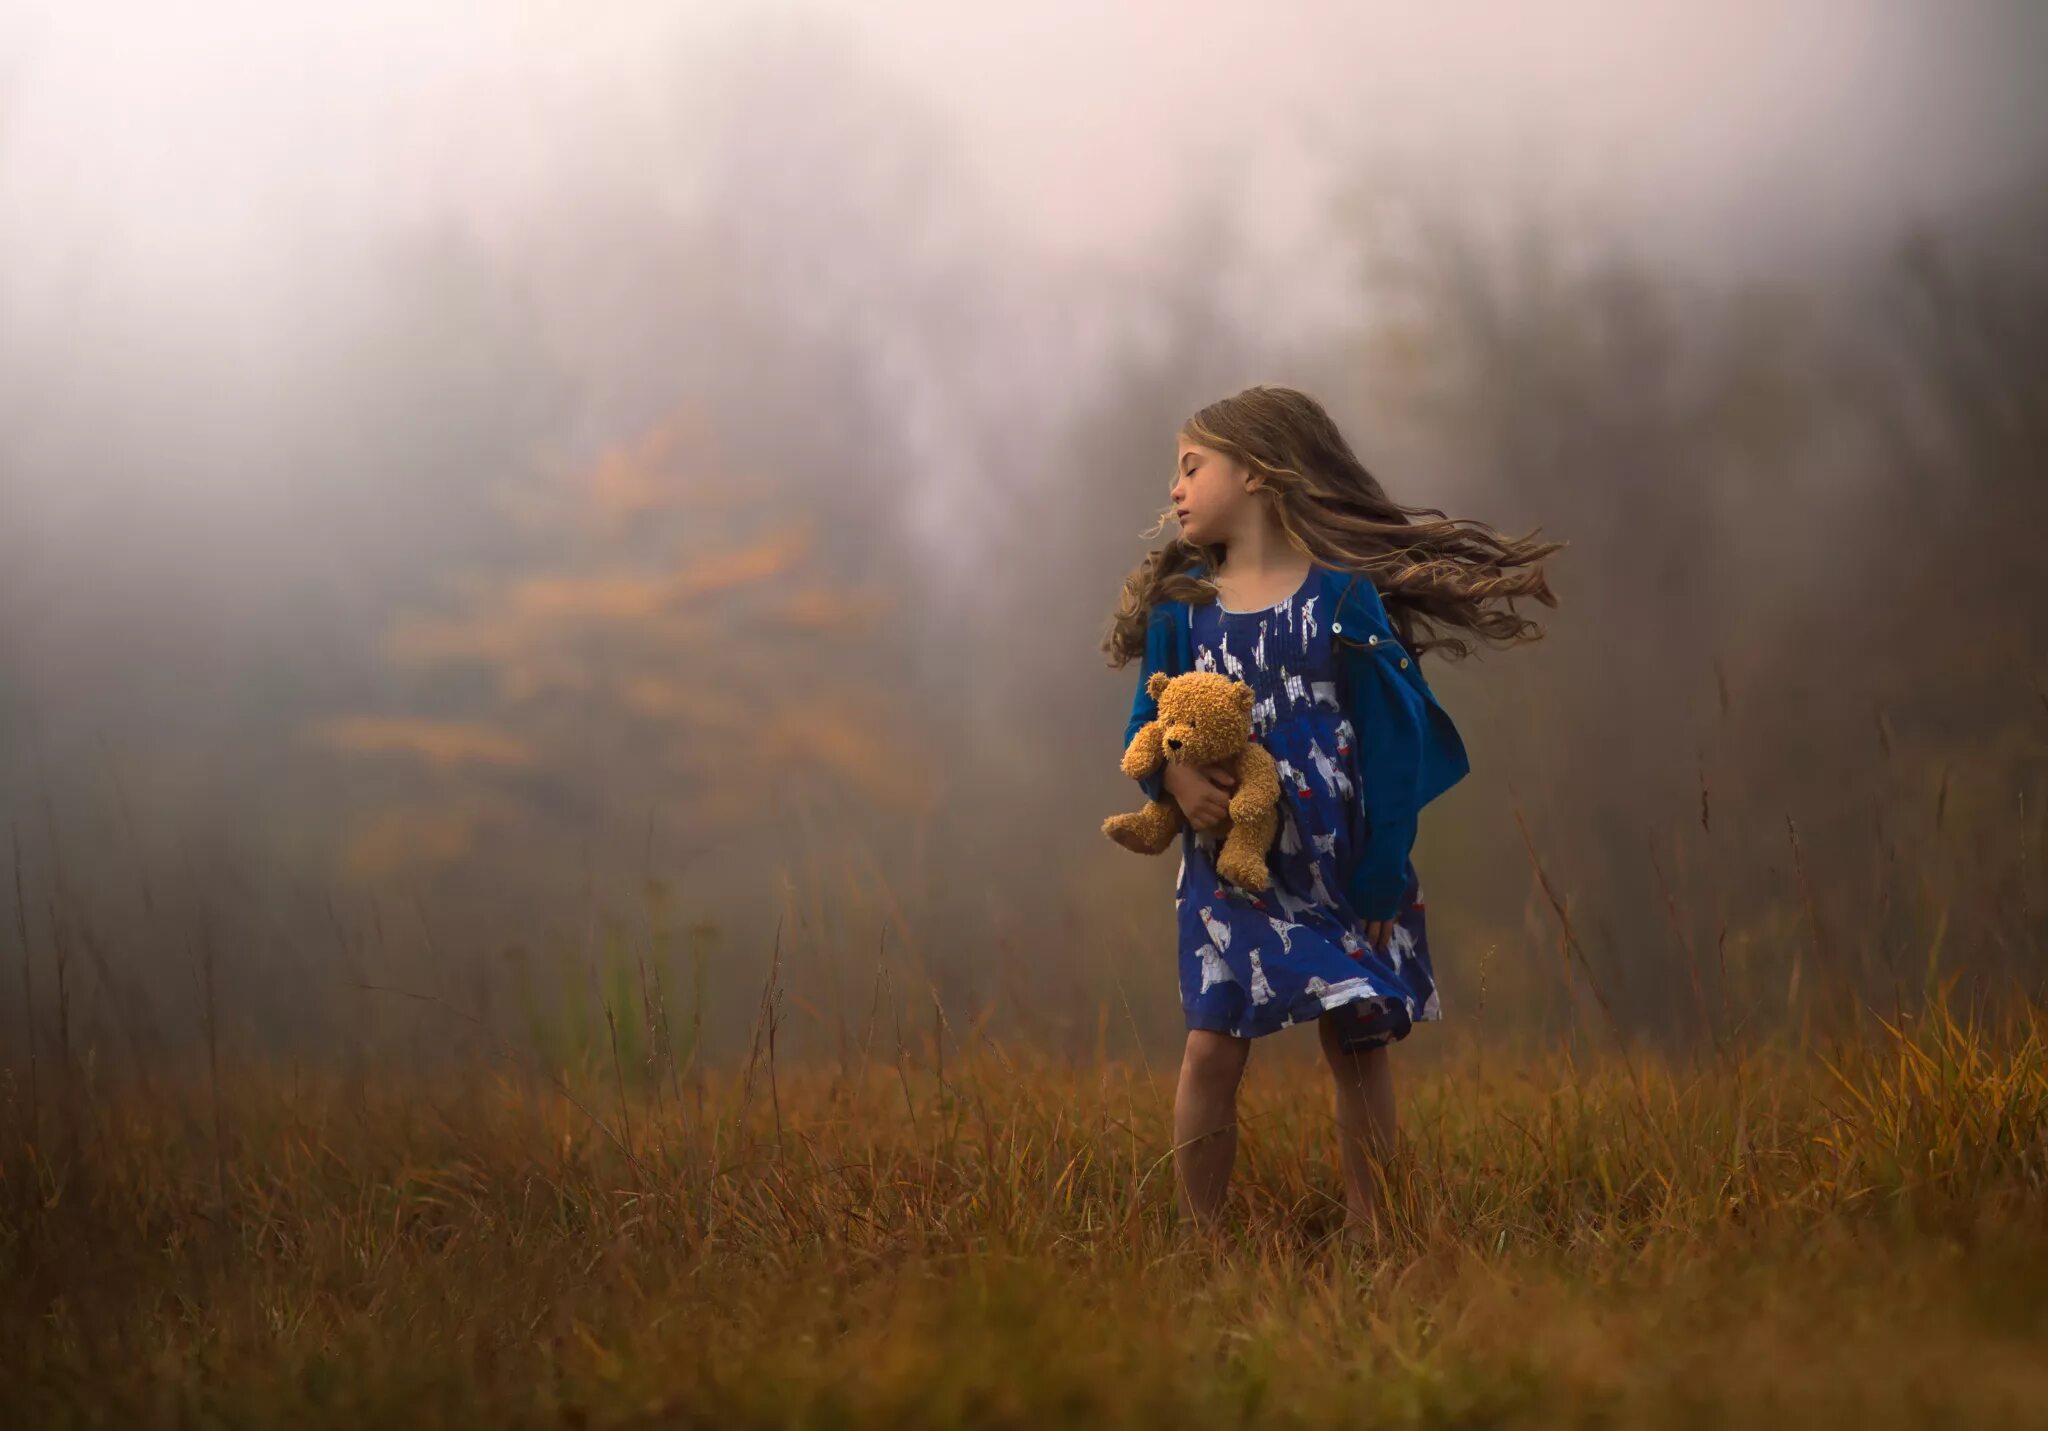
x: 1204, y: 719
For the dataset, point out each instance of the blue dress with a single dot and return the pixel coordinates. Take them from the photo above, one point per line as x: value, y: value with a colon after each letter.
x: 1253, y: 964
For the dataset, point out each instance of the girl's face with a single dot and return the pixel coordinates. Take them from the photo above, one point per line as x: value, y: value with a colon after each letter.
x: 1211, y: 497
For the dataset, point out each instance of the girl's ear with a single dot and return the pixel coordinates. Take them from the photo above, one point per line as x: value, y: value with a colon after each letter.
x: 1156, y: 686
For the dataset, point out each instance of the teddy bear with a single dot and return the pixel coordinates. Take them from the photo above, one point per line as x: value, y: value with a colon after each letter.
x: 1204, y: 719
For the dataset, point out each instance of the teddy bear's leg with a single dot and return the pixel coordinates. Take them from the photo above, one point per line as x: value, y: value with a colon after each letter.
x: 1242, y: 860
x: 1255, y: 819
x: 1148, y: 831
x: 1258, y: 783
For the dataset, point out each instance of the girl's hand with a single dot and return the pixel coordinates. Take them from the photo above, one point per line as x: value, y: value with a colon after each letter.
x: 1202, y: 792
x: 1377, y: 932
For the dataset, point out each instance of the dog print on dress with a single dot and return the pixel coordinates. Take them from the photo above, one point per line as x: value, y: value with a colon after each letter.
x: 1251, y: 965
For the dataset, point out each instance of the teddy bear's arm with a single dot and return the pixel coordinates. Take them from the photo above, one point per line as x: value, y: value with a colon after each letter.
x: 1258, y: 783
x: 1146, y: 755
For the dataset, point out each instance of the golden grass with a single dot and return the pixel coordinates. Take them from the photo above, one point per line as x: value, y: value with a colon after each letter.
x: 1854, y: 1232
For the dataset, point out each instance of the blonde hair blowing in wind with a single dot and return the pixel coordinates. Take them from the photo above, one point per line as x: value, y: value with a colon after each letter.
x: 1438, y: 576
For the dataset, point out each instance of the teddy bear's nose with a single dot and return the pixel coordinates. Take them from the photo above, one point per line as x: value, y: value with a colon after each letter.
x: 1173, y: 743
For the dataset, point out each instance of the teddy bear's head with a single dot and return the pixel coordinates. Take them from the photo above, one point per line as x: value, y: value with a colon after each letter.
x: 1204, y: 716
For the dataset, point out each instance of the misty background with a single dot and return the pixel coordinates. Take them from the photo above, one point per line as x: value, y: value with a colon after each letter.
x: 496, y: 498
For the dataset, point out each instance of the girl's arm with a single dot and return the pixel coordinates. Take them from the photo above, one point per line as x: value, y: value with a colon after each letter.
x: 1409, y: 751
x: 1144, y: 708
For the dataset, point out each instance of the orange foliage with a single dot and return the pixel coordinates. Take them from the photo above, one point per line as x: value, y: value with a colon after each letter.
x: 697, y: 705
x: 626, y: 597
x: 736, y: 723
x: 633, y: 479
x: 769, y: 556
x: 821, y: 608
x: 643, y: 475
x: 857, y: 750
x: 619, y: 597
x: 440, y: 743
x: 402, y: 836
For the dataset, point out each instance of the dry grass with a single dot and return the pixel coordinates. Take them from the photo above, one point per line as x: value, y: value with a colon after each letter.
x: 1850, y: 1232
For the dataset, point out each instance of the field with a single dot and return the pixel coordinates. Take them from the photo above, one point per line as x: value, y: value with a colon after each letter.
x: 1833, y: 1228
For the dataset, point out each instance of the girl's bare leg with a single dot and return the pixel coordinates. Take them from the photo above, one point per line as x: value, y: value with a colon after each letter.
x: 1365, y: 1127
x: 1205, y: 1122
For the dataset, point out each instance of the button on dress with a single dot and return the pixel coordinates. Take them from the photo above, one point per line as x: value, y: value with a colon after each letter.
x: 1251, y: 964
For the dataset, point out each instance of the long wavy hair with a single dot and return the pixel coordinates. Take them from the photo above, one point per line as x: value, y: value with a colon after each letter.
x: 1437, y: 576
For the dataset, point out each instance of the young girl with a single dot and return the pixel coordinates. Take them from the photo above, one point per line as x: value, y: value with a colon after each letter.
x: 1294, y: 573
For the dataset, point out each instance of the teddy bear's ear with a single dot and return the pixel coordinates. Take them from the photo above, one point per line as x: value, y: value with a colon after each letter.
x: 1242, y: 694
x: 1156, y: 687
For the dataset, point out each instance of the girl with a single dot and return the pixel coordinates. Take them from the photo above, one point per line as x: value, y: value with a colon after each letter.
x: 1294, y: 573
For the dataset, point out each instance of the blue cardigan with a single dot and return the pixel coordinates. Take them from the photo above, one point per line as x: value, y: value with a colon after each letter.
x: 1409, y: 752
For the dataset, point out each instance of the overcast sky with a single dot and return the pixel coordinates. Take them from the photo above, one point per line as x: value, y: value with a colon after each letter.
x: 196, y: 187
x: 177, y: 143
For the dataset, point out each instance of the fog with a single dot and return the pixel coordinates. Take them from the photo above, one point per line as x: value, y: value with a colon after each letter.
x: 494, y: 490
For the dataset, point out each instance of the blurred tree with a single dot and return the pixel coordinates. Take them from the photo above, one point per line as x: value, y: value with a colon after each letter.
x: 661, y: 650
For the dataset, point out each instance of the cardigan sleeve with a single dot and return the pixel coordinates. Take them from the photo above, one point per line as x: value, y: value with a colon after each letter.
x: 1158, y: 635
x: 1382, y: 873
x: 1409, y: 753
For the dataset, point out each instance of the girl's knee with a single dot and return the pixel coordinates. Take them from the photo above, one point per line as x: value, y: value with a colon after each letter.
x: 1364, y: 1061
x: 1216, y: 1059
